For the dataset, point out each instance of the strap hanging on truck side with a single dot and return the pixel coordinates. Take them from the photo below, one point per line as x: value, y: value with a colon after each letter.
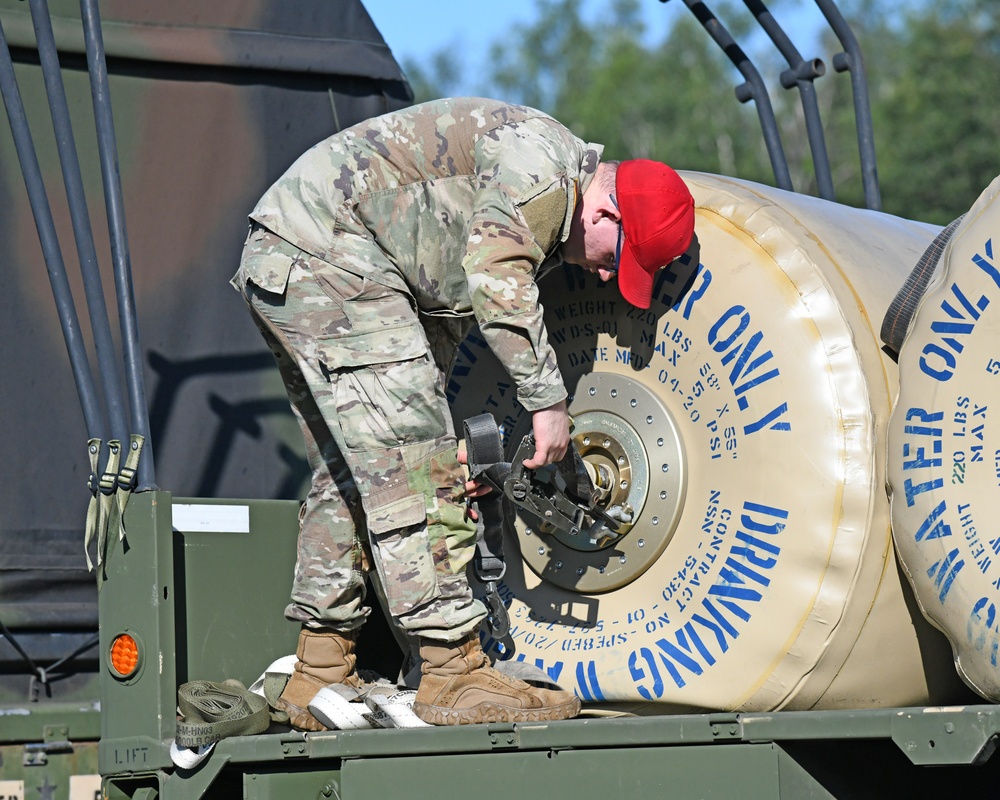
x: 93, y: 453
x: 127, y: 479
x: 102, y: 498
x: 112, y: 490
x: 486, y: 465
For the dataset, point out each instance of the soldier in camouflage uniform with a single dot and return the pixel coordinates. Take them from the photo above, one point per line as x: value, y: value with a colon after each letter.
x: 366, y: 263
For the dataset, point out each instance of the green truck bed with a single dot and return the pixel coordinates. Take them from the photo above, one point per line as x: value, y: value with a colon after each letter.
x: 212, y: 610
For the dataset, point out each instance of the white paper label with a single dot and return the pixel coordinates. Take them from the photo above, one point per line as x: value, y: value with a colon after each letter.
x: 85, y: 787
x: 11, y: 790
x: 211, y: 518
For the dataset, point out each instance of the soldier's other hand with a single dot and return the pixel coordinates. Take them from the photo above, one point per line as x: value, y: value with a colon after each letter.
x: 551, y: 429
x: 473, y: 489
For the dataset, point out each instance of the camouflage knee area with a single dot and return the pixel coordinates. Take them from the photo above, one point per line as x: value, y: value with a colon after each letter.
x: 452, y: 534
x: 433, y: 596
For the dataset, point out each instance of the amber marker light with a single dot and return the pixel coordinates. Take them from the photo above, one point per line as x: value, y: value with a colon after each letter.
x: 124, y: 655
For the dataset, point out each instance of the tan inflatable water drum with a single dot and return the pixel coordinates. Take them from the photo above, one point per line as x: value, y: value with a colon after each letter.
x: 944, y: 446
x: 742, y: 418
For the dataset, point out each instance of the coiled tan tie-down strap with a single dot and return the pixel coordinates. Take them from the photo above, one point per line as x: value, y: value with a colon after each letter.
x: 213, y: 711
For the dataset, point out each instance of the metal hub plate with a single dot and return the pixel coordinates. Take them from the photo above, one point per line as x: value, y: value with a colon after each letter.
x: 620, y: 425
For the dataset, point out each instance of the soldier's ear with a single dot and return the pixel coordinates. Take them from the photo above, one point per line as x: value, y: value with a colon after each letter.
x: 604, y: 208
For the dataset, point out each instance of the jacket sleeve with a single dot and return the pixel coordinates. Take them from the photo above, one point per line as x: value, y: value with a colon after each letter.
x: 523, y: 206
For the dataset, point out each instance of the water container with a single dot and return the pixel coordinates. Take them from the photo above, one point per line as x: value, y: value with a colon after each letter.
x: 944, y: 447
x: 743, y: 420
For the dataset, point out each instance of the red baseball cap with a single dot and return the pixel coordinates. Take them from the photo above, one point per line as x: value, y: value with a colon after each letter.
x: 658, y: 220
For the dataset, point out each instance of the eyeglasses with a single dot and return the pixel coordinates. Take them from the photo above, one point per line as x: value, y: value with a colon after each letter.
x: 621, y: 234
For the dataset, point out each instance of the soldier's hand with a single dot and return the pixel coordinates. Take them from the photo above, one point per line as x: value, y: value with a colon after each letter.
x: 473, y: 489
x: 551, y: 429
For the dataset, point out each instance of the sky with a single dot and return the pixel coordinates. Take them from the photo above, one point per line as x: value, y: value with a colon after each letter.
x: 416, y: 29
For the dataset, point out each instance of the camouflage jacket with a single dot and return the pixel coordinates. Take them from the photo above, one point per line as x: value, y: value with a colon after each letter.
x: 469, y: 201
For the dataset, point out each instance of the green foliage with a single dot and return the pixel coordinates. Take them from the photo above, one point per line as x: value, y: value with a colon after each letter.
x: 937, y: 117
x: 933, y: 69
x: 641, y: 101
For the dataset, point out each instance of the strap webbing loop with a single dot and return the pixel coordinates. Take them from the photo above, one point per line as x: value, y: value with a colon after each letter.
x: 213, y: 711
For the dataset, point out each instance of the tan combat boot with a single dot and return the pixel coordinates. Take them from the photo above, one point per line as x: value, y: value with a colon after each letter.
x: 459, y: 687
x: 325, y: 657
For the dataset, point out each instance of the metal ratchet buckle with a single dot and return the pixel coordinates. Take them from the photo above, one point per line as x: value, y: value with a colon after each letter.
x: 497, y: 618
x: 546, y: 493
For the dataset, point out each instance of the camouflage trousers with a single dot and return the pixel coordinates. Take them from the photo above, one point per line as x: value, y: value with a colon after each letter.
x: 369, y: 399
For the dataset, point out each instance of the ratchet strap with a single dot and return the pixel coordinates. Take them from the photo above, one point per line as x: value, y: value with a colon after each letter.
x: 213, y: 711
x: 127, y: 479
x: 562, y: 496
x: 93, y: 453
x: 102, y: 497
x: 486, y: 466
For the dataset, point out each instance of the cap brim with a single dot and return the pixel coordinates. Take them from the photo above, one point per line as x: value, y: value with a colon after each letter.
x: 635, y: 284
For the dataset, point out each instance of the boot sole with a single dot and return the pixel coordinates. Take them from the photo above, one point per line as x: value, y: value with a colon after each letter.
x: 494, y: 712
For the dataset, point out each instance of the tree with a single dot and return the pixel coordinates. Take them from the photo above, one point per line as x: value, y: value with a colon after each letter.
x: 933, y: 68
x: 937, y: 118
x: 438, y: 79
x: 671, y: 101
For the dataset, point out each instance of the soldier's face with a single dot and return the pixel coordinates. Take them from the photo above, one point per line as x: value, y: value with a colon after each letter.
x: 593, y: 236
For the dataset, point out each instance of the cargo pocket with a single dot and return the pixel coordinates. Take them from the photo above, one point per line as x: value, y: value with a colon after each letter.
x: 403, y: 553
x: 386, y: 390
x: 267, y: 260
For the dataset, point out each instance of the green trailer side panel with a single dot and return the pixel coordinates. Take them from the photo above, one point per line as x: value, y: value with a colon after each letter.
x: 796, y: 781
x: 285, y: 784
x: 231, y: 589
x: 203, y: 605
x: 135, y: 583
x: 706, y: 772
x: 34, y: 722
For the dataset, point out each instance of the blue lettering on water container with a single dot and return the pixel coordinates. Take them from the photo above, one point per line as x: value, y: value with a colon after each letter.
x: 923, y: 452
x: 730, y: 336
x: 697, y: 645
x: 587, y: 684
x: 982, y: 630
x: 939, y: 358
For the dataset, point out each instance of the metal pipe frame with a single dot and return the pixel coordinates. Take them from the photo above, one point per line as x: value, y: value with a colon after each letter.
x: 108, y: 148
x: 852, y: 61
x: 801, y: 74
x: 83, y: 233
x: 752, y: 89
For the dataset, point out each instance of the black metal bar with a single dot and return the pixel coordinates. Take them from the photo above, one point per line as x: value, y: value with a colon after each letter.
x: 94, y: 640
x: 119, y: 238
x: 10, y: 636
x: 89, y: 268
x: 79, y: 362
x: 852, y: 61
x: 753, y: 89
x: 801, y: 74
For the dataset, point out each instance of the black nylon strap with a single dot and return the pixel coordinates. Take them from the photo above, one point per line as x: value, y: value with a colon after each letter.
x: 896, y: 322
x: 486, y: 465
